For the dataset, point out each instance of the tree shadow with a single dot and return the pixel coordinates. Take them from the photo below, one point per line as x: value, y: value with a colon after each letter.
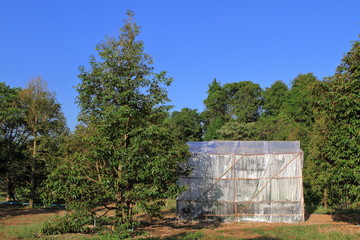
x: 21, y: 211
x: 172, y: 222
x: 352, y: 218
x: 307, y: 215
x: 261, y: 238
x: 173, y: 237
x: 309, y: 210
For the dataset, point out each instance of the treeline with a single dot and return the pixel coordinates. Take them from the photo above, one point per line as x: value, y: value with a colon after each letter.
x: 324, y: 115
x: 128, y: 149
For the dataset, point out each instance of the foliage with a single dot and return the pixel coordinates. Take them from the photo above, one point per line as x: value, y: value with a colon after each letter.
x: 186, y: 124
x: 12, y: 138
x: 70, y: 223
x: 234, y: 130
x: 298, y: 105
x: 243, y: 101
x: 274, y: 98
x: 214, y: 116
x: 31, y: 121
x: 215, y: 103
x: 9, y: 111
x: 234, y: 103
x: 212, y: 130
x: 44, y: 122
x: 124, y: 151
x: 335, y: 142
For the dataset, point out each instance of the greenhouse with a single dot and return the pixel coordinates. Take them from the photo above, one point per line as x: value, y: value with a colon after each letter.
x: 244, y: 181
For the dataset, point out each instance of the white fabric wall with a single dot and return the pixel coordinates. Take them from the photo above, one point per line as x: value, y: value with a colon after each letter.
x: 237, y: 183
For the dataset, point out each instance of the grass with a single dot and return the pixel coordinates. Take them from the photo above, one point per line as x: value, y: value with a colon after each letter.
x: 2, y: 196
x: 301, y: 233
x: 277, y: 233
x: 322, y: 210
x: 188, y: 236
x: 318, y: 210
x: 20, y: 231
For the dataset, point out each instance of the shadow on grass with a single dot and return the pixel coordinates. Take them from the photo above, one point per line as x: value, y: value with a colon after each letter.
x: 261, y: 238
x: 182, y: 224
x: 174, y: 237
x: 11, y: 211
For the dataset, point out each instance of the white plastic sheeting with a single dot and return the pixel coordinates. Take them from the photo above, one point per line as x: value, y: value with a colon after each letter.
x: 244, y: 181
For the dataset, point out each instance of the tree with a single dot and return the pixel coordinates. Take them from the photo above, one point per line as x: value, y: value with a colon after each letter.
x: 12, y: 138
x: 215, y: 103
x: 212, y: 130
x: 186, y: 124
x: 234, y: 102
x: 123, y: 152
x: 298, y: 105
x: 43, y: 119
x: 243, y: 105
x: 214, y: 116
x: 234, y: 130
x: 335, y: 142
x: 274, y: 98
x: 243, y: 101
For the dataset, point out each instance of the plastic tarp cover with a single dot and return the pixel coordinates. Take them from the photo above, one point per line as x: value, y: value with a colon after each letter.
x: 244, y: 181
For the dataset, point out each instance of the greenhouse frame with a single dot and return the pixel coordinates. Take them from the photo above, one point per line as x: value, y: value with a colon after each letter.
x: 258, y: 181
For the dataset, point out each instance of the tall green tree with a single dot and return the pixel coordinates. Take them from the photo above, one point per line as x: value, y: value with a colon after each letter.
x: 298, y: 105
x: 288, y: 114
x: 274, y: 98
x: 214, y: 116
x: 243, y: 101
x: 128, y: 154
x: 215, y: 103
x: 212, y: 129
x: 13, y: 136
x: 270, y: 125
x: 243, y: 109
x: 44, y: 121
x: 335, y: 142
x: 230, y: 106
x: 186, y: 124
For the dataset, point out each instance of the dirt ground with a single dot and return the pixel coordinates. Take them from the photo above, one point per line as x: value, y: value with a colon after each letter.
x: 170, y: 227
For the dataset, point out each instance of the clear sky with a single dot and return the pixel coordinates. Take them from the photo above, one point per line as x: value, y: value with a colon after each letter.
x: 194, y: 40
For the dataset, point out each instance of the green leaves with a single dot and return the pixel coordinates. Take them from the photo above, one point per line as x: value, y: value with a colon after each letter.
x: 335, y: 142
x: 186, y: 124
x: 123, y: 151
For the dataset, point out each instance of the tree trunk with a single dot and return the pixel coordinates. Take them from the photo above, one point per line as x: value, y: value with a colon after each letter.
x: 325, y: 200
x: 32, y: 174
x: 32, y: 188
x: 9, y: 190
x: 119, y: 210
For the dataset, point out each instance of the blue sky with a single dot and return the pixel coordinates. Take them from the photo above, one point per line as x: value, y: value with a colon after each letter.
x: 195, y: 41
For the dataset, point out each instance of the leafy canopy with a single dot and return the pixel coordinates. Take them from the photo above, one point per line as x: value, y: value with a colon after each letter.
x: 123, y: 151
